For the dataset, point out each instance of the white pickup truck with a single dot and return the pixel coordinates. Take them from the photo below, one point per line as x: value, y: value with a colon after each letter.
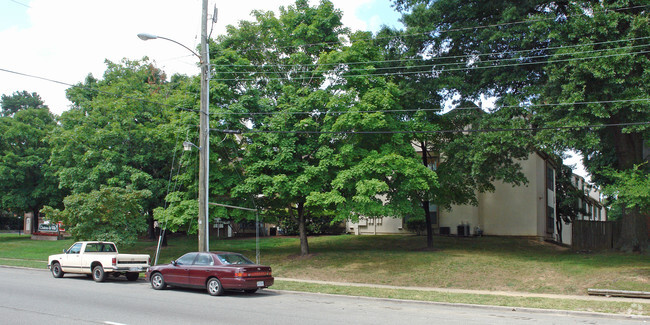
x: 97, y: 259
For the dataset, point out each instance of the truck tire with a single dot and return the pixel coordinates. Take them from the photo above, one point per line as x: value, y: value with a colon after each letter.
x: 132, y: 276
x: 98, y: 274
x: 57, y: 272
x: 214, y: 287
x: 157, y: 281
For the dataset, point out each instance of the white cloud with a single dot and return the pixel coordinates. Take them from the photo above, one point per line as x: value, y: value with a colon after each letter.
x: 67, y: 39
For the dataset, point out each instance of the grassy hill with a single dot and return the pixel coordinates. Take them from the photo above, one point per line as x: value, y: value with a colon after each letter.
x: 483, y: 263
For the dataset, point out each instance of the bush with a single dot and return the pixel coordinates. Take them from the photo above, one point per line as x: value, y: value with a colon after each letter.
x: 315, y: 226
x: 417, y: 225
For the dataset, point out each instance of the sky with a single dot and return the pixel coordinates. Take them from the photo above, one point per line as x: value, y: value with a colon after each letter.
x: 65, y: 40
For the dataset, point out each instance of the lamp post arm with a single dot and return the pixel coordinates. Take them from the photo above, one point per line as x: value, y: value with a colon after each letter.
x: 146, y: 37
x: 189, y: 49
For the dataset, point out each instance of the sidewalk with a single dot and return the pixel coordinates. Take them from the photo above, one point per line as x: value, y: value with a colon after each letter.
x: 475, y: 292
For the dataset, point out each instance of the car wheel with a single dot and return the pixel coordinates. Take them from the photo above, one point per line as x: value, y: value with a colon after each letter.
x: 98, y: 274
x: 250, y: 290
x: 56, y: 270
x: 132, y: 276
x: 157, y: 281
x: 214, y: 287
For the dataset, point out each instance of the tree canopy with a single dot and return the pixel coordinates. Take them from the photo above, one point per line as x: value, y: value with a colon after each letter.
x: 577, y: 63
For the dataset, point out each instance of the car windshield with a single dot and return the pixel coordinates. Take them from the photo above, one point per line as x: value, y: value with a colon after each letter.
x: 228, y: 259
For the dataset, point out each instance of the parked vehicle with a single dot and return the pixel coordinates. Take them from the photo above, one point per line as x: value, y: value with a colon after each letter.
x: 97, y: 259
x: 214, y: 271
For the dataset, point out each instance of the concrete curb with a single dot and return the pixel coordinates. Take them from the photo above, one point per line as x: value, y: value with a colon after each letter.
x: 475, y: 292
x: 483, y: 307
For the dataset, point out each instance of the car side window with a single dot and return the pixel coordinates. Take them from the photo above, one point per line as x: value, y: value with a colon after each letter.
x: 107, y: 248
x: 92, y: 248
x: 75, y: 249
x: 186, y: 259
x: 204, y: 259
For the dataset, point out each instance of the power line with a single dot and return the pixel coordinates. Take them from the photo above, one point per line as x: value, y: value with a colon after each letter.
x: 430, y: 109
x: 20, y: 3
x: 432, y: 71
x: 476, y: 55
x: 460, y: 29
x: 558, y: 128
x: 435, y: 65
x: 316, y: 112
x: 95, y: 90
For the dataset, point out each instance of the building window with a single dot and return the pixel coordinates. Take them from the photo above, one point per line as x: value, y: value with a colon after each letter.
x: 550, y: 178
x: 550, y: 220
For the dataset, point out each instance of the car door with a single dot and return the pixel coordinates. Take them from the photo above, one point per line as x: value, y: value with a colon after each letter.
x: 200, y: 270
x: 178, y: 272
x: 71, y: 261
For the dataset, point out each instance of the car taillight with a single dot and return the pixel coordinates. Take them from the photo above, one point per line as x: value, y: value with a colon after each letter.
x: 250, y: 274
x: 114, y: 261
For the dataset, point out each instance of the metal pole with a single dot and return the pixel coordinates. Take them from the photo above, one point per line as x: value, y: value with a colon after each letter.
x: 204, y: 139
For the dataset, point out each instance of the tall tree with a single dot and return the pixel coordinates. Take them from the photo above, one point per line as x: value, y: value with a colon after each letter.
x: 563, y: 63
x: 117, y: 134
x: 26, y: 179
x: 275, y: 78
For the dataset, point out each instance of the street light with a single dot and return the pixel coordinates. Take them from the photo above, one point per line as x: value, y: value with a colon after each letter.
x: 187, y: 146
x: 204, y: 127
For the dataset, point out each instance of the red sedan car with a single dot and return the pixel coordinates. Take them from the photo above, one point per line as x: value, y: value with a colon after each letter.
x: 215, y: 271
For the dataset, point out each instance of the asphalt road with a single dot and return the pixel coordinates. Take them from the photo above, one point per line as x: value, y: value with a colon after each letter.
x: 30, y: 296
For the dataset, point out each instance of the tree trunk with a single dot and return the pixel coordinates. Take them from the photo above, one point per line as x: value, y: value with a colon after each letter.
x: 34, y: 224
x: 151, y: 232
x: 633, y: 235
x: 558, y: 227
x: 304, y: 245
x: 425, y: 204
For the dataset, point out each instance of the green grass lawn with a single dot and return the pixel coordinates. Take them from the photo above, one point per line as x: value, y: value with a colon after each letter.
x: 485, y: 263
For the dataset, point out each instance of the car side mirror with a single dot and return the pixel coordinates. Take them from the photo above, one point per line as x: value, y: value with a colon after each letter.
x: 65, y: 251
x: 174, y: 263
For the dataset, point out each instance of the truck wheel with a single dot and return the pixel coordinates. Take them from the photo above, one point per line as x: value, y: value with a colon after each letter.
x: 56, y: 270
x: 132, y: 276
x: 157, y: 281
x: 98, y: 274
x: 214, y: 287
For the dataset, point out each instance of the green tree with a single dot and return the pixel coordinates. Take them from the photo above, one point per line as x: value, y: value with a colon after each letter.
x: 20, y: 100
x: 631, y: 188
x: 110, y: 214
x: 118, y: 134
x: 268, y: 66
x: 551, y: 59
x: 27, y: 182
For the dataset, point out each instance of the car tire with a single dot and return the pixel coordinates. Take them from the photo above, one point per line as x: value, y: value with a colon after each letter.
x: 132, y: 276
x: 57, y: 272
x: 214, y: 287
x: 158, y: 281
x: 98, y: 274
x: 250, y: 290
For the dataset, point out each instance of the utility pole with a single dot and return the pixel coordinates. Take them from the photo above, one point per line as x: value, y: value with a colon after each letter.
x: 204, y: 138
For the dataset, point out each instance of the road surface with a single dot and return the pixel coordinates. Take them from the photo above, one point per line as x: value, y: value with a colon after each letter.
x: 29, y: 296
